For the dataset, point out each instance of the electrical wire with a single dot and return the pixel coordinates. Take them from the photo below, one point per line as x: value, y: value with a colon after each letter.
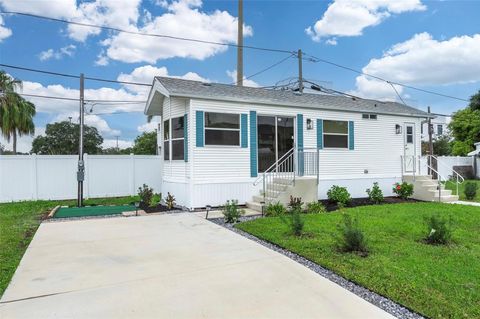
x: 317, y: 59
x: 144, y: 33
x: 77, y: 99
x: 71, y: 75
x: 266, y: 69
x: 395, y: 89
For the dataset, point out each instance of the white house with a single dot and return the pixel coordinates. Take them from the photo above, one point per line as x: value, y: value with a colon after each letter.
x: 225, y: 142
x: 439, y: 127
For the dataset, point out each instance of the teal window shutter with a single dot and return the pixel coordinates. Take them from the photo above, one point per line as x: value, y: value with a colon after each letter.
x: 253, y: 144
x: 199, y: 128
x: 244, y: 130
x: 351, y: 135
x: 185, y: 137
x: 319, y: 134
x: 300, y: 144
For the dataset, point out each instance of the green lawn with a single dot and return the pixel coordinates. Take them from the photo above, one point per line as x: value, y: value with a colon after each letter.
x: 18, y: 223
x: 461, y: 187
x: 438, y: 282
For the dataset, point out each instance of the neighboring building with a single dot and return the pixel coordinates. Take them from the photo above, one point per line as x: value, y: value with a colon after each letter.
x: 439, y: 128
x: 218, y: 140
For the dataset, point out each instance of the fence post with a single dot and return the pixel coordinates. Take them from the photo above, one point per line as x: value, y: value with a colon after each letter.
x: 86, y: 161
x: 132, y: 180
x: 35, y: 176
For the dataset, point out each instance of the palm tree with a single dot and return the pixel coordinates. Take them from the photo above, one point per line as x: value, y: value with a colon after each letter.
x: 16, y: 114
x: 17, y: 119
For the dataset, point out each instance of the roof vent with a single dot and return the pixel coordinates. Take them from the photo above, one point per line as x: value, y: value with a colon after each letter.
x: 206, y: 84
x: 297, y: 93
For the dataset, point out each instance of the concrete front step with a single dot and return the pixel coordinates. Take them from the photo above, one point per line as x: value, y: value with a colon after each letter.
x: 254, y: 206
x: 446, y: 198
x: 259, y: 199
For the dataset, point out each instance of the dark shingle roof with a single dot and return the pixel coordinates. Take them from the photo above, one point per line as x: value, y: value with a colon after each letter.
x: 216, y: 91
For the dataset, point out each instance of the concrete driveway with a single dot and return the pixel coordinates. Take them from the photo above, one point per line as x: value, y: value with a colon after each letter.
x: 166, y: 266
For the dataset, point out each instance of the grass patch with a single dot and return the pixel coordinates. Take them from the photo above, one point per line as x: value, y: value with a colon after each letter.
x: 436, y: 281
x: 19, y: 222
x: 453, y: 187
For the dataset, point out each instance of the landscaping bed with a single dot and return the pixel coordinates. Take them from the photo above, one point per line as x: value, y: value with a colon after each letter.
x: 158, y: 208
x: 435, y: 281
x: 356, y: 202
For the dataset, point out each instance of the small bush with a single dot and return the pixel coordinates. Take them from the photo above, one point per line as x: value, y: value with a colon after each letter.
x: 145, y: 193
x: 156, y: 199
x: 315, y: 208
x: 295, y: 202
x: 403, y: 190
x: 275, y: 209
x: 352, y: 238
x: 375, y: 194
x: 470, y: 190
x: 339, y: 195
x: 170, y: 201
x: 438, y: 231
x: 294, y: 220
x: 231, y: 212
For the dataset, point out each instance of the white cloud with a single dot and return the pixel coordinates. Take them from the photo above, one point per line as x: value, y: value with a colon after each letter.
x: 182, y: 19
x: 91, y: 120
x: 122, y: 144
x: 24, y: 143
x: 423, y: 60
x: 68, y: 50
x: 246, y: 82
x: 146, y: 73
x: 4, y: 32
x: 148, y: 127
x: 347, y: 18
x: 332, y: 41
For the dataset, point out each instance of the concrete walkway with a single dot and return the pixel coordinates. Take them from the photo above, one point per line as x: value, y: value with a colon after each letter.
x: 166, y: 266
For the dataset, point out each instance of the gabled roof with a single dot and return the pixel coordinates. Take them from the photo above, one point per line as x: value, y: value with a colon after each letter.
x: 226, y: 92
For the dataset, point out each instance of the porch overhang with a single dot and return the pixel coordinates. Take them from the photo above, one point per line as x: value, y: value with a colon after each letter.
x: 155, y: 99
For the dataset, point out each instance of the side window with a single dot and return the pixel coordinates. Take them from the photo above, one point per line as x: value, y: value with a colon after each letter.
x: 410, y: 134
x: 335, y: 134
x: 166, y: 140
x: 222, y: 129
x: 178, y: 138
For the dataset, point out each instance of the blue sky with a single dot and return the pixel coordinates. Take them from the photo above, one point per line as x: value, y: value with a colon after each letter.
x: 433, y: 45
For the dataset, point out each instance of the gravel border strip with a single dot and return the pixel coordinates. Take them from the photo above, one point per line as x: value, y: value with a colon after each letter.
x: 382, y: 302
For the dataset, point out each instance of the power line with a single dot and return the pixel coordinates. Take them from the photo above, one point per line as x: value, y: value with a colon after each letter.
x: 77, y: 99
x: 266, y: 69
x: 317, y: 59
x: 71, y: 75
x: 145, y: 34
x: 395, y: 89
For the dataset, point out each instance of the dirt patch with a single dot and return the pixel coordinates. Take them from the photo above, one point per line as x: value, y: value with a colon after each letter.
x: 155, y: 209
x: 355, y: 202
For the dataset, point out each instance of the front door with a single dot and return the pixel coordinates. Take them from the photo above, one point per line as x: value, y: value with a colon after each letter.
x: 409, y: 150
x: 275, y: 138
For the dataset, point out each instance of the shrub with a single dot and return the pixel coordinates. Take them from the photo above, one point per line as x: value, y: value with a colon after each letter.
x: 156, y: 199
x: 438, y: 231
x: 294, y: 220
x: 231, y: 212
x: 375, y: 193
x: 145, y: 193
x: 339, y: 195
x: 352, y: 238
x: 295, y: 202
x: 170, y: 201
x: 315, y: 208
x: 403, y: 190
x: 275, y: 209
x: 470, y: 190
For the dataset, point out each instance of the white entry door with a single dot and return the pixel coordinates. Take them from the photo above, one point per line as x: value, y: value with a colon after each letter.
x: 409, y: 151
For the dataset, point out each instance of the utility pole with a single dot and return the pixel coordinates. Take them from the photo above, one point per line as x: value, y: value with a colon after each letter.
x: 300, y: 71
x: 240, y: 44
x: 117, y: 142
x: 81, y: 164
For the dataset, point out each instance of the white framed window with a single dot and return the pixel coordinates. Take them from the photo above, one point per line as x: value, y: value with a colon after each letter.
x: 440, y: 129
x: 166, y: 140
x: 369, y: 116
x: 173, y: 139
x: 335, y: 134
x: 222, y: 129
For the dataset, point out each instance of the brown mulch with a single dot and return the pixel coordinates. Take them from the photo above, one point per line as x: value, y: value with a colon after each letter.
x: 355, y: 202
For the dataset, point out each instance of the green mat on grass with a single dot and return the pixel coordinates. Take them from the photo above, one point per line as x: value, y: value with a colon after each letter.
x: 66, y: 212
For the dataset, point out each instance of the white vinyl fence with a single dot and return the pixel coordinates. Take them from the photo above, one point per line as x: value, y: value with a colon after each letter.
x: 31, y: 177
x: 446, y: 163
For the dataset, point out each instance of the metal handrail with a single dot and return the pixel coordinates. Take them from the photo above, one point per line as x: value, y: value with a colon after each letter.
x: 274, y: 165
x: 458, y: 176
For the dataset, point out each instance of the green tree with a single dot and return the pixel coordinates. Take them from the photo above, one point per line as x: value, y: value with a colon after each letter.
x: 17, y: 119
x: 117, y: 151
x: 145, y: 144
x: 61, y: 138
x: 465, y: 127
x: 442, y: 146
